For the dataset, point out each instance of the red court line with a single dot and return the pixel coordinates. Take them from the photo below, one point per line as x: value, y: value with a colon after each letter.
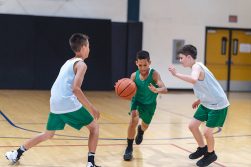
x: 107, y: 145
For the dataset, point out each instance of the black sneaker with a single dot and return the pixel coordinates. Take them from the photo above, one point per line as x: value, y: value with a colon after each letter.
x: 128, y: 154
x: 207, y: 159
x: 139, y: 137
x: 198, y: 153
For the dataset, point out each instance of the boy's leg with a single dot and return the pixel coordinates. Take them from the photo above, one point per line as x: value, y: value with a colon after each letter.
x: 15, y: 155
x: 93, y: 127
x: 38, y: 139
x: 141, y: 129
x: 216, y: 118
x: 54, y: 123
x: 130, y: 135
x: 93, y: 136
x: 194, y: 128
x: 146, y: 112
x: 208, y: 133
x: 210, y: 156
x: 202, y: 148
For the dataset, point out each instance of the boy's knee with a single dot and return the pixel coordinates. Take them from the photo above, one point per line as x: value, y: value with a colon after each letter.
x: 48, y: 136
x: 191, y: 126
x: 194, y: 125
x: 208, y: 134
x: 144, y: 126
x: 94, y: 128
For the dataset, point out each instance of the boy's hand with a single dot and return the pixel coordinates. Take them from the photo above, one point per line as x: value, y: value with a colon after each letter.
x: 195, y: 104
x: 172, y: 69
x: 95, y: 113
x: 153, y: 88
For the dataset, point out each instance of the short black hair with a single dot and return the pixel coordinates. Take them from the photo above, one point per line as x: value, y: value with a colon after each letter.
x: 188, y: 50
x: 143, y: 55
x: 77, y: 40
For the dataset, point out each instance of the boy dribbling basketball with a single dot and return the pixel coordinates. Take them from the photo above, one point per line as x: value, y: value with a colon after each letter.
x: 143, y: 104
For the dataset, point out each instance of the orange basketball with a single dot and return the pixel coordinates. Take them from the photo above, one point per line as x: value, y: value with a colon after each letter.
x: 125, y: 88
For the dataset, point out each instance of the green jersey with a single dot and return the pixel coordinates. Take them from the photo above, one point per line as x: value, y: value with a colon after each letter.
x: 144, y: 95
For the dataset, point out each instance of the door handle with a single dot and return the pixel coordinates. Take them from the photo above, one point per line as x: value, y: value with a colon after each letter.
x: 235, y: 46
x: 223, y: 46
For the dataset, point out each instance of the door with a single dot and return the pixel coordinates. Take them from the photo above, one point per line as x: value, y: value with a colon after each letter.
x: 217, y: 54
x: 240, y: 74
x: 228, y: 56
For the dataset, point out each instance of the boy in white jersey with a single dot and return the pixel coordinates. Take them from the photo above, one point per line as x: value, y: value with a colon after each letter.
x: 212, y: 103
x: 67, y: 101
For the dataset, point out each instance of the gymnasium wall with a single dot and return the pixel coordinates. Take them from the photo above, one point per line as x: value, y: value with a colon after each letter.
x: 115, y: 10
x: 167, y: 20
x: 33, y: 48
x: 164, y: 21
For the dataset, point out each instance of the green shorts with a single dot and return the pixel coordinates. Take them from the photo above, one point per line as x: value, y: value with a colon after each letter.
x: 146, y: 111
x: 76, y: 119
x: 213, y: 118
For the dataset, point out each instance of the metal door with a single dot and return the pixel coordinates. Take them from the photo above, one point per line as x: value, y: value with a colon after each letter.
x: 217, y: 54
x: 240, y: 74
x: 228, y: 56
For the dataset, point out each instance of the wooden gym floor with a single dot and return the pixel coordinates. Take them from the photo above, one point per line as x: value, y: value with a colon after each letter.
x: 167, y: 142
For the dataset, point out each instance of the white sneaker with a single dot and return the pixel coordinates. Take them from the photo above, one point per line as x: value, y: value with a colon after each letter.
x: 89, y: 164
x: 12, y: 156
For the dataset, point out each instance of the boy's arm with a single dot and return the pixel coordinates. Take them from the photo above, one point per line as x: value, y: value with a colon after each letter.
x: 193, y: 78
x: 133, y: 75
x: 162, y: 88
x: 80, y: 70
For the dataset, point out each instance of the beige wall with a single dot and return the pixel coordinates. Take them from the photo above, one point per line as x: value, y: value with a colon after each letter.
x: 116, y: 10
x: 164, y: 20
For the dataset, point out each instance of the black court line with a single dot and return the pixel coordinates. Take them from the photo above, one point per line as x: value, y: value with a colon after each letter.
x: 102, y: 123
x: 114, y: 139
x: 109, y: 145
x: 25, y: 129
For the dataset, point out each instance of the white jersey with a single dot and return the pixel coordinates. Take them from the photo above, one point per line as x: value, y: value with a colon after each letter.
x: 62, y: 98
x: 209, y: 91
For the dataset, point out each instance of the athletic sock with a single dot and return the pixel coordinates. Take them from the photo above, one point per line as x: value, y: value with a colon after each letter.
x: 91, y: 157
x: 130, y: 143
x: 20, y: 151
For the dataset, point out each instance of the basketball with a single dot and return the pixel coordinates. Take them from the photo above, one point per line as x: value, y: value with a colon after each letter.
x: 125, y: 88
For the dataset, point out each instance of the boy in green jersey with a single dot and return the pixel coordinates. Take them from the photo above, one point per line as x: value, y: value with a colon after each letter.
x: 143, y: 104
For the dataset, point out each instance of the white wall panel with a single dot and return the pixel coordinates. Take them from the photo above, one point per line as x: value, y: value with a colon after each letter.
x: 116, y: 10
x: 166, y: 20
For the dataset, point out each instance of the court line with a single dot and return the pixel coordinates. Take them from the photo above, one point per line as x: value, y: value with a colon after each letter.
x: 86, y: 138
x: 103, y: 145
x: 219, y: 164
x: 31, y: 165
x: 103, y: 123
x: 12, y: 124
